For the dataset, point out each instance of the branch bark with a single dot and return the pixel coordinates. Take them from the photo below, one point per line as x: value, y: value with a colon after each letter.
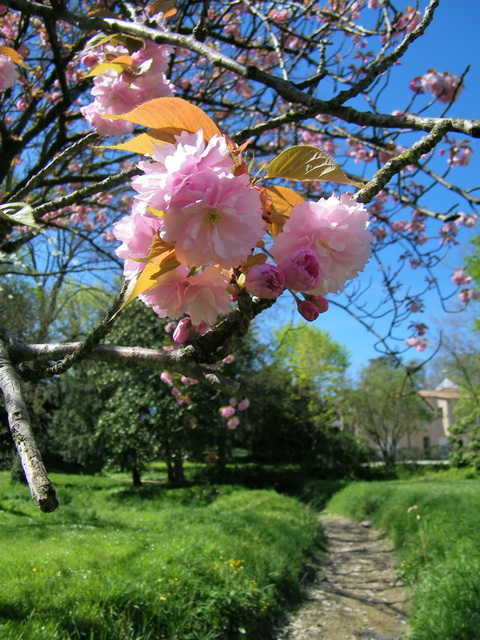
x: 41, y: 488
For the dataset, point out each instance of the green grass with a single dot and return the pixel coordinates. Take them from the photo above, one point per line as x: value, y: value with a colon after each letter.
x: 114, y: 563
x: 434, y: 523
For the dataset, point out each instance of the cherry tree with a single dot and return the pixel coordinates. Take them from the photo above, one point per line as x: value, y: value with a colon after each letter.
x: 224, y: 154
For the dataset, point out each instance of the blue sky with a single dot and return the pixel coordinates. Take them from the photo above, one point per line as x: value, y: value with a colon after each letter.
x: 450, y: 44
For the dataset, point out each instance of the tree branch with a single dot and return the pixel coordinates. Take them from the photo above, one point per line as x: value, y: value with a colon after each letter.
x: 41, y: 488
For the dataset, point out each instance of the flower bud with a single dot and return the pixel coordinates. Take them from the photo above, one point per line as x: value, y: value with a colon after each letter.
x: 308, y: 310
x: 320, y: 301
x: 302, y: 270
x: 265, y: 281
x: 184, y: 331
x: 244, y: 404
x: 233, y: 423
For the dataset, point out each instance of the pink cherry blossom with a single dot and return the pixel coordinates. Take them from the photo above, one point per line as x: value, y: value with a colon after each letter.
x: 442, y: 86
x: 202, y: 296
x: 136, y: 232
x: 243, y: 404
x: 302, y: 270
x: 233, y: 402
x: 8, y: 72
x: 336, y: 229
x: 113, y: 95
x: 459, y: 277
x: 214, y: 218
x: 265, y: 281
x: 166, y: 377
x: 175, y: 164
x: 459, y: 156
x: 233, y: 423
x: 469, y: 220
x: 227, y: 412
x: 184, y: 331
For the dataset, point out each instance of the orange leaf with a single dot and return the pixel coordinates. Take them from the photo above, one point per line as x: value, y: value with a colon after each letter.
x: 165, y: 6
x: 13, y: 55
x: 145, y: 281
x: 281, y: 200
x: 124, y: 60
x: 171, y: 115
x: 142, y: 144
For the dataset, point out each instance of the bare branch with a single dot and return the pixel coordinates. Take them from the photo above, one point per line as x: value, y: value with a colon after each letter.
x: 41, y: 488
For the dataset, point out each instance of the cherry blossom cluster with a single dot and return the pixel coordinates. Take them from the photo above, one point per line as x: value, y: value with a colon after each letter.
x: 8, y: 72
x: 196, y: 199
x: 445, y: 87
x: 126, y: 80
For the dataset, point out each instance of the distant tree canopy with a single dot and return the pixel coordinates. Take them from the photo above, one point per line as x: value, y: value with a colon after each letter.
x: 385, y: 406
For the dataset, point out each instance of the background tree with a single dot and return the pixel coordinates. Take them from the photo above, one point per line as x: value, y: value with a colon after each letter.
x: 385, y: 406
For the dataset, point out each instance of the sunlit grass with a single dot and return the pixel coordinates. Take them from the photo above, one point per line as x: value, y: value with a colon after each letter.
x: 194, y: 563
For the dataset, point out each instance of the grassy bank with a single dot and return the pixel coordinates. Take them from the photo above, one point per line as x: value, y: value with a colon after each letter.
x: 434, y: 523
x: 199, y: 563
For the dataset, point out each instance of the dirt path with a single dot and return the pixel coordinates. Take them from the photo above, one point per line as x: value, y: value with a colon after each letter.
x: 355, y: 595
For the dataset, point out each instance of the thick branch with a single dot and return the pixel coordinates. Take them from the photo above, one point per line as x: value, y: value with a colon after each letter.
x: 393, y: 166
x: 179, y: 361
x: 41, y: 488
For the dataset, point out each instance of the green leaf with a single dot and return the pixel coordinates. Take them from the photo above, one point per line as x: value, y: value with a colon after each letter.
x: 19, y: 213
x: 305, y: 162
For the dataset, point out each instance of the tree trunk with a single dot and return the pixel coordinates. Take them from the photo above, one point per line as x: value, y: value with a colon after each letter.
x: 136, y: 477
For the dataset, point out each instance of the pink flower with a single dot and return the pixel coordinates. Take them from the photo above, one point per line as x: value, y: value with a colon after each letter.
x: 189, y: 382
x: 442, y: 86
x: 152, y: 61
x: 228, y: 359
x: 166, y: 377
x: 203, y: 296
x: 212, y: 215
x: 170, y: 326
x: 459, y: 277
x: 459, y: 156
x: 184, y: 331
x: 265, y: 281
x: 420, y: 344
x: 8, y: 72
x: 114, y: 96
x: 469, y: 220
x: 302, y: 270
x: 336, y: 229
x: 233, y: 423
x: 136, y: 232
x: 233, y: 402
x: 175, y: 164
x: 243, y: 404
x: 215, y: 219
x: 308, y: 310
x: 227, y: 412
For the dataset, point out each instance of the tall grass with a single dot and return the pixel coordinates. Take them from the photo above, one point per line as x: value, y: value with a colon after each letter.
x: 434, y: 523
x: 199, y: 563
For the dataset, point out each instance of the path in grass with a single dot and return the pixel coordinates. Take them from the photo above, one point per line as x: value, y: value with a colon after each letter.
x: 355, y: 595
